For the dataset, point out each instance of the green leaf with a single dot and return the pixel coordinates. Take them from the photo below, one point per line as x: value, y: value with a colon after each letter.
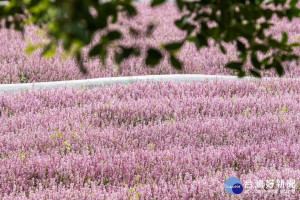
x: 222, y: 48
x: 278, y: 67
x: 201, y: 41
x: 150, y: 29
x: 99, y: 50
x: 234, y: 65
x: 183, y: 25
x: 31, y: 48
x: 295, y: 44
x: 173, y: 46
x: 269, y: 66
x: 268, y: 14
x: 255, y: 73
x: 290, y: 57
x: 241, y: 74
x: 125, y: 53
x: 105, y: 181
x: 293, y: 3
x: 49, y: 50
x: 130, y: 9
x: 265, y: 61
x: 96, y: 50
x: 153, y: 57
x: 255, y: 61
x: 157, y: 2
x: 113, y: 35
x: 241, y: 47
x: 134, y: 32
x: 274, y: 43
x: 284, y: 38
x: 103, y: 55
x: 180, y: 4
x: 80, y: 63
x: 175, y: 62
x: 191, y: 39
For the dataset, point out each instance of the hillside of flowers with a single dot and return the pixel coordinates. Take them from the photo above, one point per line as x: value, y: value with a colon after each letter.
x: 151, y: 141
x: 18, y: 67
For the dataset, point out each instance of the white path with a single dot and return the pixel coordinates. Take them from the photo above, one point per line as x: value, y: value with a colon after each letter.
x: 100, y: 82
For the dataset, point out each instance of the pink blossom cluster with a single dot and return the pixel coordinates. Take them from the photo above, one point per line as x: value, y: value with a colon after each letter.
x: 150, y: 141
x: 17, y: 66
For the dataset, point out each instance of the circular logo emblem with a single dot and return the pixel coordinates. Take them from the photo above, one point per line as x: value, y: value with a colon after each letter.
x: 233, y: 186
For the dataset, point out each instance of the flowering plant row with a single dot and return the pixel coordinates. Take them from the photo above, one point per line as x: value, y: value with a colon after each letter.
x: 151, y: 141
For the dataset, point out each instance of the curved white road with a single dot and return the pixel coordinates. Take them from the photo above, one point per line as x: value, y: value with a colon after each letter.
x: 100, y: 82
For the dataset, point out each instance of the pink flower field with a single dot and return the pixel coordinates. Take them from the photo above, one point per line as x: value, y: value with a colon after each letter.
x: 151, y: 141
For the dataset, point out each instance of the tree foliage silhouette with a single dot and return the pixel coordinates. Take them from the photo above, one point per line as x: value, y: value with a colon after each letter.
x: 242, y: 22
